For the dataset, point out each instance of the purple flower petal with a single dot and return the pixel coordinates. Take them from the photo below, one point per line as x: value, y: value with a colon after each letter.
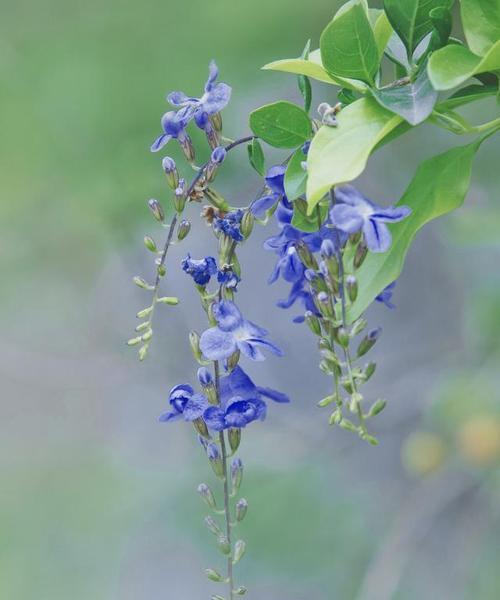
x: 377, y: 236
x: 214, y: 417
x: 160, y: 142
x: 393, y: 214
x: 346, y: 217
x: 227, y: 315
x: 217, y: 344
x: 194, y: 407
x: 273, y: 395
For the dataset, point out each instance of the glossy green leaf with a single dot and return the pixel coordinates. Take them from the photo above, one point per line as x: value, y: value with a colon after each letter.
x: 453, y: 65
x: 442, y: 23
x: 339, y: 154
x: 348, y: 46
x: 382, y: 29
x: 481, y: 22
x: 305, y: 222
x: 281, y: 124
x: 256, y: 157
x: 466, y: 95
x: 439, y: 186
x: 413, y: 101
x: 410, y: 19
x: 295, y: 176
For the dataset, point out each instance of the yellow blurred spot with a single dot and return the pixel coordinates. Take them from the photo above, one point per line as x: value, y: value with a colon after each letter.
x: 423, y: 453
x: 479, y: 440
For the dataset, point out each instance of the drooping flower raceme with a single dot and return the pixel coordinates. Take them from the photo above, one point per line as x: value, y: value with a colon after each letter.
x: 356, y: 213
x: 233, y: 333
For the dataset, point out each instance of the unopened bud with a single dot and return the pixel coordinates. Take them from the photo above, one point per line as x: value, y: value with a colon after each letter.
x: 179, y: 199
x: 207, y: 495
x: 140, y: 282
x: 369, y: 370
x: 359, y: 257
x: 241, y: 509
x: 216, y: 199
x: 215, y: 460
x: 170, y: 300
x: 216, y: 120
x: 218, y: 155
x: 150, y: 244
x: 239, y: 551
x: 212, y: 526
x: 327, y: 249
x: 183, y: 229
x: 377, y: 408
x: 214, y: 575
x: 351, y: 284
x: 335, y: 418
x: 313, y: 322
x: 201, y: 428
x: 187, y: 148
x: 156, y: 209
x: 205, y: 377
x: 224, y: 545
x: 327, y: 401
x: 306, y: 256
x: 234, y: 436
x: 134, y: 341
x: 342, y: 336
x: 358, y: 326
x: 233, y: 360
x: 348, y: 425
x: 171, y: 172
x: 236, y: 474
x: 324, y: 304
x: 194, y: 341
x: 369, y: 341
x: 247, y: 223
x: 240, y: 591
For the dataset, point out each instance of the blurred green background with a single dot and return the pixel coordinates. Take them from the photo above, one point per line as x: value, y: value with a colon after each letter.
x: 97, y: 500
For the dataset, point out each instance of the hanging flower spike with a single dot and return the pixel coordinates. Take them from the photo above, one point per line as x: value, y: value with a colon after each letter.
x: 357, y: 213
x: 185, y: 404
x: 232, y: 333
x: 241, y: 402
x: 385, y: 295
x: 200, y: 270
x: 174, y: 127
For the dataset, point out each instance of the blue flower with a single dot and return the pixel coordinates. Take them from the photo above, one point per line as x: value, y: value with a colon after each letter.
x: 228, y: 278
x: 300, y: 291
x: 232, y: 333
x: 185, y: 404
x: 174, y: 126
x: 241, y: 402
x: 230, y: 225
x: 385, y: 295
x: 200, y: 270
x: 356, y: 213
x: 215, y: 98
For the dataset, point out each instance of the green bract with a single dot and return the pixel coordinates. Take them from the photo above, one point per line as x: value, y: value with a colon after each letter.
x: 282, y: 124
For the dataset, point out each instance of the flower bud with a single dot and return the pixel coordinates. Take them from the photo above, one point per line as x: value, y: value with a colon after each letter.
x: 134, y: 341
x: 327, y: 249
x: 218, y: 155
x: 236, y: 474
x: 335, y: 418
x: 342, y: 337
x: 306, y: 256
x: 205, y: 377
x: 150, y: 244
x: 216, y: 199
x: 239, y: 551
x: 313, y: 322
x: 233, y: 360
x: 224, y: 545
x: 351, y: 284
x: 369, y: 341
x: 324, y: 304
x: 170, y: 300
x: 213, y: 137
x: 201, y: 428
x: 327, y: 401
x: 348, y: 425
x: 214, y: 575
x: 241, y: 509
x: 377, y: 408
x: 207, y: 495
x: 179, y: 199
x: 171, y: 172
x: 187, y: 148
x: 240, y: 591
x: 358, y: 326
x: 183, y: 229
x: 234, y: 436
x: 247, y: 223
x: 216, y: 120
x: 215, y: 459
x: 212, y: 526
x: 140, y: 282
x: 162, y: 271
x: 369, y: 370
x: 194, y: 341
x: 359, y: 257
x: 156, y: 209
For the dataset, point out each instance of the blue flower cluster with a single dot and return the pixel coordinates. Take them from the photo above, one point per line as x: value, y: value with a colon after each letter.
x: 203, y: 269
x: 351, y: 214
x: 241, y: 402
x: 216, y: 97
x: 230, y: 225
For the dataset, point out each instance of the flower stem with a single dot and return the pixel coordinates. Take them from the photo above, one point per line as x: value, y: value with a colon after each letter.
x: 227, y: 509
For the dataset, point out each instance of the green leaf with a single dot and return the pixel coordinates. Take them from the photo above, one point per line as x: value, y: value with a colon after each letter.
x: 313, y: 68
x: 442, y: 22
x: 481, y: 21
x: 304, y: 82
x: 339, y: 154
x: 295, y: 176
x: 466, y: 95
x: 309, y: 223
x: 454, y: 64
x: 282, y: 124
x: 439, y: 186
x: 382, y: 29
x: 410, y: 19
x: 256, y: 157
x: 348, y: 46
x: 413, y: 101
